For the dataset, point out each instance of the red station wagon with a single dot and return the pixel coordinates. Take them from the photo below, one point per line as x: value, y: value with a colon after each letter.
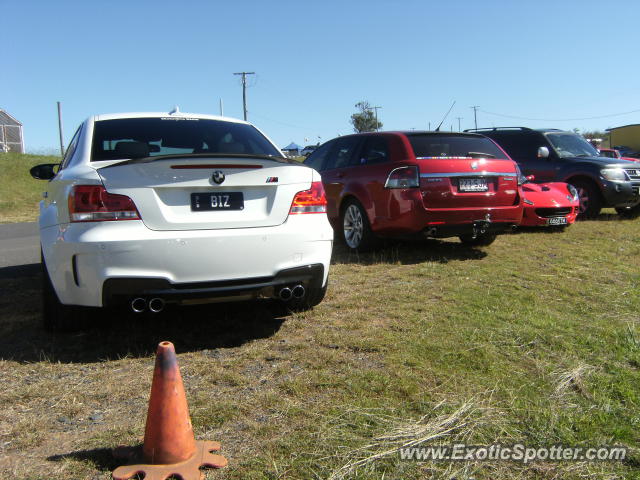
x: 435, y: 184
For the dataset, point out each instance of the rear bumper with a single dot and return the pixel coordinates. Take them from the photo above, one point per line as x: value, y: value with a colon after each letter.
x: 449, y: 222
x: 474, y: 228
x: 121, y: 291
x: 83, y: 259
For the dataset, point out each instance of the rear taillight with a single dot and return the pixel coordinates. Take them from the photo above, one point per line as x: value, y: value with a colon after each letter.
x: 92, y: 203
x: 310, y: 201
x: 403, y: 177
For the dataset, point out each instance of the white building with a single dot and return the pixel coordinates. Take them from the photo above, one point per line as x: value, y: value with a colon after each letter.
x: 11, y: 139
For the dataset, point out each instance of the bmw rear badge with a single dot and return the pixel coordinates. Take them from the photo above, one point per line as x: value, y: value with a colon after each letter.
x: 474, y: 165
x: 218, y: 177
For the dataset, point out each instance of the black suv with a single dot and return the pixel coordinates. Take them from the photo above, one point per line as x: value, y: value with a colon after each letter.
x: 552, y: 155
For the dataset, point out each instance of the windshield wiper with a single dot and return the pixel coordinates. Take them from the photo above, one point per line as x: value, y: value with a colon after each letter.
x: 480, y: 155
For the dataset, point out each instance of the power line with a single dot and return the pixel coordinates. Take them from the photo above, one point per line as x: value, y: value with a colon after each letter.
x: 244, y: 91
x: 560, y: 119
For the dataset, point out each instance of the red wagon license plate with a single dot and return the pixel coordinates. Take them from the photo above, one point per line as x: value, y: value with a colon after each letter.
x: 473, y: 185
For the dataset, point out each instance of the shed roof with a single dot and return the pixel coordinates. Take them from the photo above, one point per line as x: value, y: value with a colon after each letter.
x: 624, y: 126
x: 6, y: 119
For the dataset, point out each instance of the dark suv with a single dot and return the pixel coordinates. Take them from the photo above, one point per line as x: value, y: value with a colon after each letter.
x: 552, y: 155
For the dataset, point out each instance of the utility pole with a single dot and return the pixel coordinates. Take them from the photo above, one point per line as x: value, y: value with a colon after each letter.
x: 376, y: 110
x: 475, y: 118
x: 221, y: 108
x: 244, y: 90
x: 60, y: 130
x: 459, y: 118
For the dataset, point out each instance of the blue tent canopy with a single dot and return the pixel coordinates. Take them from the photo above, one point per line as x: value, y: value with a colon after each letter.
x: 292, y: 146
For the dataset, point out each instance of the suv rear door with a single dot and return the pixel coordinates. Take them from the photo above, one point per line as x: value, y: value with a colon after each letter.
x: 463, y: 171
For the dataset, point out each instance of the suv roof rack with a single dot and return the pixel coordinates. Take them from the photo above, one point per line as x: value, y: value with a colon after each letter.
x: 496, y: 128
x: 527, y: 129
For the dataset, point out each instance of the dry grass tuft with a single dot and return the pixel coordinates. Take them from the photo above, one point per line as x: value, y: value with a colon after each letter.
x: 573, y: 379
x: 438, y: 425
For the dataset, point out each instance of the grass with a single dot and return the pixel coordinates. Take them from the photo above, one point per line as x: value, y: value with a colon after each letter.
x: 533, y: 340
x: 19, y: 192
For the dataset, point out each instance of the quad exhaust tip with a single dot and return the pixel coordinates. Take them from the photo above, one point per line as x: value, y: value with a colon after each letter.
x: 298, y: 291
x: 138, y: 305
x: 285, y: 294
x: 156, y: 305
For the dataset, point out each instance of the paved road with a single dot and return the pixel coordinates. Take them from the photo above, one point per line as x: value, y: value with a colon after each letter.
x: 19, y: 244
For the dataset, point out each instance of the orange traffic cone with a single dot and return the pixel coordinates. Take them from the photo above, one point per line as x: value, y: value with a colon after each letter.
x: 170, y: 448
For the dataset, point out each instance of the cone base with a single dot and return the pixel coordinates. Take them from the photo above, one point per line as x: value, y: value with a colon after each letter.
x: 187, y: 470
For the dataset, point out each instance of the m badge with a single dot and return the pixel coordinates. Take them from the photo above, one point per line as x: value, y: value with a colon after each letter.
x: 218, y: 177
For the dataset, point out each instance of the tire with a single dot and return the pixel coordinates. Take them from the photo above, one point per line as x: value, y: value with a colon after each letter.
x: 590, y: 199
x: 355, y: 228
x: 629, y: 212
x: 481, y: 240
x: 57, y: 317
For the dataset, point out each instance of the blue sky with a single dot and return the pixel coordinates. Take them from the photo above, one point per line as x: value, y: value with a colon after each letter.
x: 549, y: 60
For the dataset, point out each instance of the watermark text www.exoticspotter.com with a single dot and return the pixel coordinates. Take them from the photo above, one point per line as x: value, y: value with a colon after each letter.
x: 512, y: 453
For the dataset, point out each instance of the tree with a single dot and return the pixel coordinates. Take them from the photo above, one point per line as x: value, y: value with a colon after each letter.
x: 596, y: 138
x: 365, y: 119
x: 589, y: 135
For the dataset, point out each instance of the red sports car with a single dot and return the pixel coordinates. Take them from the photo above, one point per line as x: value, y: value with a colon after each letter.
x: 549, y: 204
x: 613, y: 153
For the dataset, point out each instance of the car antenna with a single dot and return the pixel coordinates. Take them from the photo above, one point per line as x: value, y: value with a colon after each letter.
x: 445, y: 116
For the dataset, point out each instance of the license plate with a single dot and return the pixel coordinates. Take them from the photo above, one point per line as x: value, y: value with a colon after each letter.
x: 473, y: 185
x: 217, y: 201
x: 557, y: 221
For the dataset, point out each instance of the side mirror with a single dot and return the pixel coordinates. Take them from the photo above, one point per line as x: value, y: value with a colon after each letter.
x: 46, y: 171
x: 530, y: 178
x: 543, y: 152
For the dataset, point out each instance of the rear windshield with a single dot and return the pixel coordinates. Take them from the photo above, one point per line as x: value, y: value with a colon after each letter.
x: 149, y: 137
x: 453, y: 146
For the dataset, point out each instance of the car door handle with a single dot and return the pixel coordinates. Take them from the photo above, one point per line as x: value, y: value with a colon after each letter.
x: 339, y: 175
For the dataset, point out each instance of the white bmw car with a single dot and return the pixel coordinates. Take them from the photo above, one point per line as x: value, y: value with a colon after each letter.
x: 154, y: 208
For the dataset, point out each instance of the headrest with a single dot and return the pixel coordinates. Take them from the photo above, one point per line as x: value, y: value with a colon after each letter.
x: 230, y: 147
x: 132, y: 149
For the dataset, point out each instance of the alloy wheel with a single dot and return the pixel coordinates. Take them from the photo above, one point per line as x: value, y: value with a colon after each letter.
x: 583, y: 196
x: 353, y: 226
